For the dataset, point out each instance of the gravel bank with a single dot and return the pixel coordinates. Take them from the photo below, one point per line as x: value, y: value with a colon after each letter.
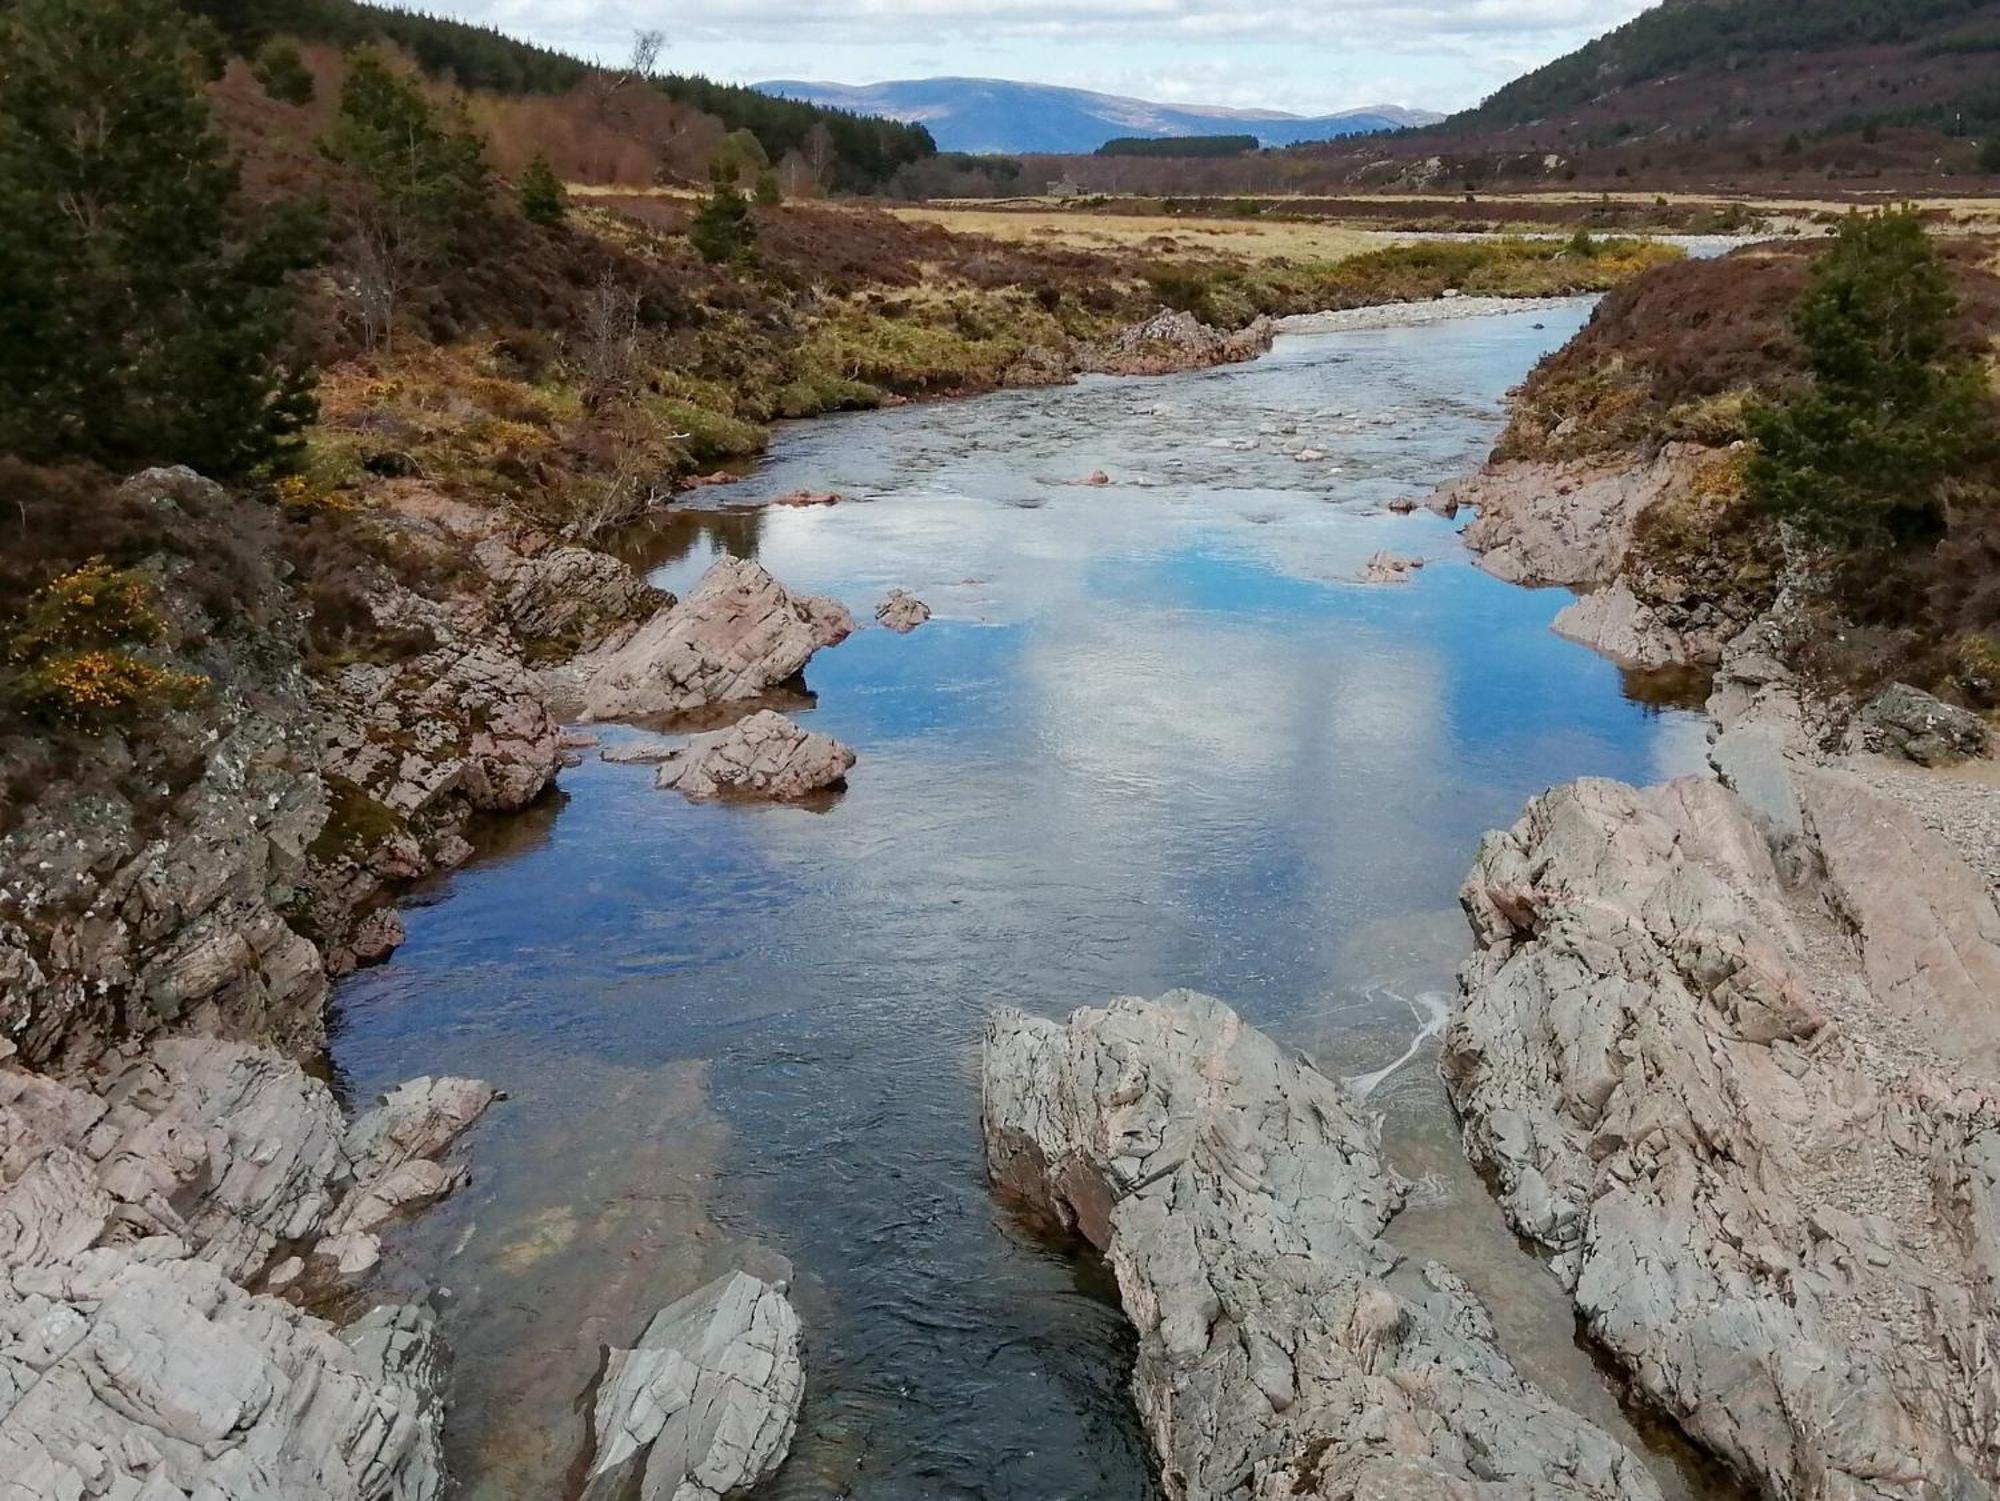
x: 1419, y: 314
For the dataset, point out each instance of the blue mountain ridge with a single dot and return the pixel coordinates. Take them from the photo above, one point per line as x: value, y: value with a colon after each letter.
x: 999, y: 115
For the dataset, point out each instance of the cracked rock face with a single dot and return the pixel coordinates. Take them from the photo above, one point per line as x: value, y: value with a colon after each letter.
x: 1240, y: 1198
x: 764, y: 756
x: 738, y: 636
x: 705, y: 1407
x: 135, y: 1206
x: 1749, y: 1106
x: 1549, y: 523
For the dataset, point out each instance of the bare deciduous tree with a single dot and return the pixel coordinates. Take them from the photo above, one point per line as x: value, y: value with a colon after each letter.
x: 819, y: 153
x: 379, y: 271
x: 606, y: 351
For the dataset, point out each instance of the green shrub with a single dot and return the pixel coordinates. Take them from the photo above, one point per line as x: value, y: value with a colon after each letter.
x: 429, y: 174
x: 70, y: 662
x: 543, y: 199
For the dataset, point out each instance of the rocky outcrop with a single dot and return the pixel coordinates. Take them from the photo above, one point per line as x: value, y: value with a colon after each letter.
x: 135, y: 1206
x: 1241, y: 1200
x: 706, y: 1405
x: 1616, y: 623
x: 415, y: 749
x: 1733, y: 1060
x: 737, y: 637
x: 1907, y: 722
x: 902, y: 612
x: 562, y: 600
x: 764, y: 756
x: 1566, y: 523
x: 1172, y: 341
x: 1389, y: 568
x: 146, y: 887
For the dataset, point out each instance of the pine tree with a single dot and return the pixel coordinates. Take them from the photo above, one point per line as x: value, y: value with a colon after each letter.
x: 1862, y: 458
x: 722, y: 230
x: 429, y: 175
x: 543, y: 199
x: 284, y: 73
x: 142, y: 318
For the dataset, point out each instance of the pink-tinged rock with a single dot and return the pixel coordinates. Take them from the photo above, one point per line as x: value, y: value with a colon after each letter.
x: 738, y: 636
x: 765, y: 756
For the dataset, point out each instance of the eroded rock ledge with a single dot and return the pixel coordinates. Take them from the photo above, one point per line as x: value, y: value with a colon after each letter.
x: 137, y: 1209
x: 1738, y: 1069
x: 1241, y: 1200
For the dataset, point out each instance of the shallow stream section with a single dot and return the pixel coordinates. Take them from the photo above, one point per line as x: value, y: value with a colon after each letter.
x: 1154, y: 737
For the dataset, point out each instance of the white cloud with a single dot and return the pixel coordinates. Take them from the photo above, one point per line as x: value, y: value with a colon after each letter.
x: 1306, y: 55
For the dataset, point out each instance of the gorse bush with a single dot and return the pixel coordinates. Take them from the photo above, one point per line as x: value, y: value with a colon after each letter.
x: 70, y: 662
x: 1864, y: 458
x: 143, y: 316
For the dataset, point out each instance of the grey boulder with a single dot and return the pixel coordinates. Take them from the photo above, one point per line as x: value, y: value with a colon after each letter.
x: 1748, y: 1106
x: 706, y: 1405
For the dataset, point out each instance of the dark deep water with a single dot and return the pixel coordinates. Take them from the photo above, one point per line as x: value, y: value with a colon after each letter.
x: 1152, y: 738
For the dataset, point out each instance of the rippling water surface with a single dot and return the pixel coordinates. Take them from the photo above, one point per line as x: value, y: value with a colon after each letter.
x: 1152, y: 738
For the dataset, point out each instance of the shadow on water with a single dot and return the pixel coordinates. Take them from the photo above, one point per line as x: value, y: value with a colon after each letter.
x: 1154, y: 736
x: 686, y: 534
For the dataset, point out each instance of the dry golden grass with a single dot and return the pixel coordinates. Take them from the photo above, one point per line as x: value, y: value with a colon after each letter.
x: 1084, y: 231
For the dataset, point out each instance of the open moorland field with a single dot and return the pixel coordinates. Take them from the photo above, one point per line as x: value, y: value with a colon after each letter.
x: 1048, y: 223
x: 1318, y: 226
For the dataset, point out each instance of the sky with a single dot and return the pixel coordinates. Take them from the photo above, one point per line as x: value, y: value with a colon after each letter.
x: 1306, y: 56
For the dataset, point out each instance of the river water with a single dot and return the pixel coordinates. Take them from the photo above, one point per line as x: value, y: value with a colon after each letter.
x: 1154, y: 737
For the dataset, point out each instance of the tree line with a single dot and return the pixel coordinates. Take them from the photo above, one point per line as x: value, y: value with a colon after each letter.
x: 868, y: 151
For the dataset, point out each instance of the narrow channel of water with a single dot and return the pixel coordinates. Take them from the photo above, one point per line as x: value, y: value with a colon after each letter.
x: 1153, y: 738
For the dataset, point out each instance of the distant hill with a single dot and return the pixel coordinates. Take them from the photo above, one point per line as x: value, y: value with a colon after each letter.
x: 1764, y: 67
x: 995, y: 115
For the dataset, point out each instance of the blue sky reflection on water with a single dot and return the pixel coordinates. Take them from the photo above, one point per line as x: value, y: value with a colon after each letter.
x: 1152, y: 738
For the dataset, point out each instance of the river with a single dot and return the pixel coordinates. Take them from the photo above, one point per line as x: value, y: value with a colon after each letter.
x: 1154, y: 737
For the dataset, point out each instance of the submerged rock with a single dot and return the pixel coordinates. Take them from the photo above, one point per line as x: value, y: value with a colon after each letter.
x: 739, y: 635
x: 902, y: 612
x: 1388, y: 568
x: 765, y: 755
x: 1241, y: 1200
x: 1751, y: 1108
x: 705, y: 1407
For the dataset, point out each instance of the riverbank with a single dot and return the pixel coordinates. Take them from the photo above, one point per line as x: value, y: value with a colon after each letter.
x: 1729, y: 1048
